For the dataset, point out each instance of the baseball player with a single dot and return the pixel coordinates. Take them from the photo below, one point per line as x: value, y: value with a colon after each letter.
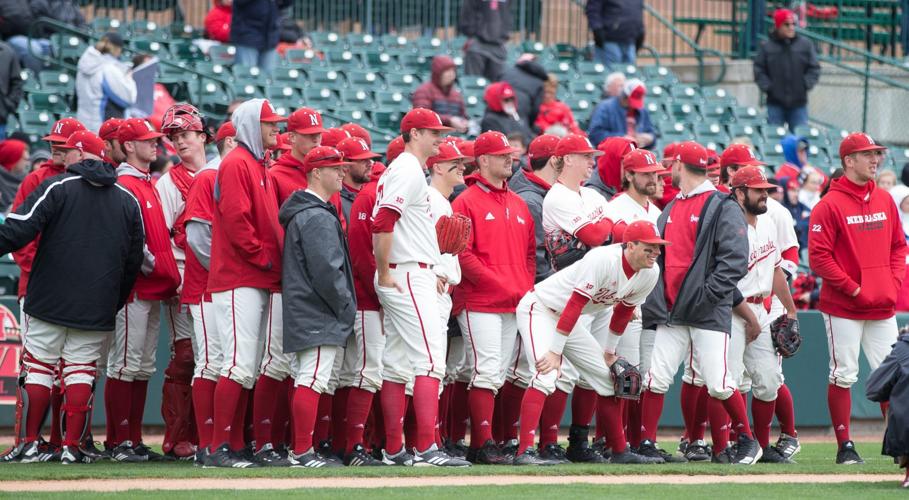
x: 207, y: 344
x: 356, y: 151
x: 574, y: 211
x: 692, y: 302
x: 318, y: 283
x: 857, y: 247
x: 24, y: 257
x: 245, y: 267
x: 131, y: 359
x: 183, y: 125
x: 112, y: 149
x: 751, y: 348
x: 83, y: 212
x: 734, y: 157
x: 406, y: 250
x: 616, y: 276
x: 609, y: 164
x: 499, y: 265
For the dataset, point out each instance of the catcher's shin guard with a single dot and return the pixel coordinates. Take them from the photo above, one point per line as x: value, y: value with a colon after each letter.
x: 176, y: 402
x: 21, y: 414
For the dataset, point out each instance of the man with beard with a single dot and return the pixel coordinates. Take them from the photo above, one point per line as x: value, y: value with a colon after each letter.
x: 356, y: 152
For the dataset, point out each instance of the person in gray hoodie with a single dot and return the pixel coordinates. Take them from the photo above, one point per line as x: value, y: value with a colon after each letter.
x: 319, y: 300
x: 104, y: 87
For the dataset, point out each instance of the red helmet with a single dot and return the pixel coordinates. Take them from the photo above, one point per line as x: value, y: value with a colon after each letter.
x: 183, y: 117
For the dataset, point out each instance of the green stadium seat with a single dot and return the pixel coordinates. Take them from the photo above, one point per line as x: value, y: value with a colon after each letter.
x: 580, y: 88
x: 326, y: 39
x: 565, y: 51
x: 245, y: 90
x: 214, y: 69
x: 321, y: 98
x: 685, y: 93
x: 430, y: 45
x: 30, y: 82
x: 472, y: 82
x: 374, y: 60
x: 289, y: 76
x: 342, y: 58
x: 675, y: 132
x: 743, y: 130
x: 412, y: 62
x: 36, y: 122
x: 532, y: 47
x: 353, y: 115
x: 361, y: 40
x: 148, y: 46
x: 143, y: 27
x: 715, y: 113
x: 773, y: 133
x: 683, y: 111
x: 248, y: 74
x: 222, y: 54
x: 301, y: 57
x: 592, y: 69
x: 745, y: 113
x: 362, y: 78
x: 210, y: 97
x: 812, y: 133
x: 320, y: 77
x: 183, y: 30
x: 57, y: 81
x: 48, y: 101
x: 390, y: 99
x: 356, y: 97
x: 67, y: 47
x: 406, y: 82
x: 103, y: 25
x: 580, y: 106
x: 561, y: 69
x: 185, y: 51
x: 390, y: 42
x: 389, y: 120
x: 705, y: 131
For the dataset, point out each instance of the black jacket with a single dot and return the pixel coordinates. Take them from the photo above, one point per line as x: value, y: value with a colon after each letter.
x: 786, y: 69
x: 890, y: 382
x: 90, y: 249
x: 617, y: 20
x: 9, y: 185
x: 478, y: 20
x: 527, y: 78
x: 317, y: 278
x: 255, y: 23
x: 596, y: 183
x: 504, y: 123
x: 709, y: 290
x: 533, y: 195
x: 10, y: 82
x: 347, y: 199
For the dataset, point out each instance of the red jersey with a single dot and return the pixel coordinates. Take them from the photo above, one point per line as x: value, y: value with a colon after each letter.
x: 499, y: 264
x: 25, y: 255
x: 200, y: 207
x: 681, y: 229
x: 246, y: 239
x: 359, y: 239
x: 856, y: 239
x: 289, y: 177
x: 164, y: 279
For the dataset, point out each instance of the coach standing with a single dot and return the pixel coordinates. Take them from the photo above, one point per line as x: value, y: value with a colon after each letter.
x: 856, y: 246
x: 72, y: 302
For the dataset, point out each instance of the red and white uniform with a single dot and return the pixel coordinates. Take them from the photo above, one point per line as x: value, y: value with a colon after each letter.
x: 173, y: 187
x: 788, y: 243
x: 570, y: 211
x: 759, y: 358
x: 132, y: 352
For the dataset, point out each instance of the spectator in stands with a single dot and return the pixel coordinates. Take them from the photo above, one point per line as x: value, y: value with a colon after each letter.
x: 502, y: 111
x: 795, y: 151
x: 104, y: 87
x: 886, y: 180
x: 623, y: 115
x: 786, y: 69
x: 527, y: 78
x: 217, y: 21
x: 614, y: 84
x: 617, y: 25
x: 810, y: 193
x: 553, y: 111
x: 15, y: 163
x: 10, y: 85
x: 519, y: 157
x: 440, y: 95
x: 487, y: 25
x: 799, y: 211
x: 254, y: 31
x: 18, y: 17
x: 37, y: 158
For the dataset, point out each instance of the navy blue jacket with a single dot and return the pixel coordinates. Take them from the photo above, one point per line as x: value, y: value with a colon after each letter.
x: 609, y: 119
x: 621, y: 20
x: 254, y: 23
x: 890, y: 382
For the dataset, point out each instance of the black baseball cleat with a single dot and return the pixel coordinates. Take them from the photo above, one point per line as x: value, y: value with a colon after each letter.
x: 456, y: 448
x: 554, y: 453
x: 788, y: 445
x: 199, y: 459
x: 401, y: 458
x: 510, y: 449
x: 268, y: 457
x: 847, y: 454
x: 73, y: 455
x: 579, y: 450
x: 649, y: 449
x: 434, y: 457
x: 359, y: 458
x: 630, y: 457
x: 727, y: 456
x: 488, y: 454
x: 697, y: 451
x: 311, y: 460
x: 152, y: 456
x: 125, y: 453
x: 530, y: 457
x: 90, y: 447
x: 600, y: 446
x: 748, y: 451
x: 773, y: 456
x: 222, y: 457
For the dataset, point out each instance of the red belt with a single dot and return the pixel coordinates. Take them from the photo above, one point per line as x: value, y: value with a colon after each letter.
x: 757, y: 299
x: 421, y: 264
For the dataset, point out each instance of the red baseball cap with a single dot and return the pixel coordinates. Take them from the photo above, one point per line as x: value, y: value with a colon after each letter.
x: 333, y: 136
x: 492, y: 143
x: 137, y: 129
x: 692, y: 153
x: 283, y: 142
x: 357, y: 131
x: 643, y: 231
x: 395, y: 148
x: 268, y: 113
x: 751, y: 177
x: 858, y: 141
x: 447, y: 152
x: 576, y: 144
x: 321, y: 157
x: 85, y: 141
x: 225, y: 130
x: 62, y: 129
x: 422, y: 118
x: 544, y: 146
x: 109, y: 128
x: 355, y: 148
x: 641, y: 160
x: 739, y: 154
x: 378, y: 168
x: 305, y: 121
x: 466, y: 147
x: 635, y: 91
x: 780, y: 16
x: 669, y: 151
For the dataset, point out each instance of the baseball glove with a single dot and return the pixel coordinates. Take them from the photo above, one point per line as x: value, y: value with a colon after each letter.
x: 627, y: 380
x: 785, y: 334
x: 453, y: 233
x: 564, y: 249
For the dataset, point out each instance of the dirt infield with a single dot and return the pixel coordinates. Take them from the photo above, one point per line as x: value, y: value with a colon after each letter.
x: 113, y: 485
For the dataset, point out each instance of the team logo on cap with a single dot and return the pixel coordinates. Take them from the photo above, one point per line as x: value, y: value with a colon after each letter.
x: 868, y: 138
x: 79, y: 144
x: 456, y: 150
x: 504, y: 140
x: 149, y: 125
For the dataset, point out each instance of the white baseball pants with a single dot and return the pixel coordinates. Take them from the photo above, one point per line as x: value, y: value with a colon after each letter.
x: 242, y: 317
x: 487, y: 337
x: 135, y: 343
x: 755, y: 365
x: 707, y: 352
x: 48, y: 343
x: 275, y: 363
x: 207, y: 348
x: 312, y: 367
x: 846, y: 336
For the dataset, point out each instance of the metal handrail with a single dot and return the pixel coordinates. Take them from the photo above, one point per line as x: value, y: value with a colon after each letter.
x: 699, y: 51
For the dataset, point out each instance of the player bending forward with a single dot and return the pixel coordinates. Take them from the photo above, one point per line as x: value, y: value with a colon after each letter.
x: 617, y: 276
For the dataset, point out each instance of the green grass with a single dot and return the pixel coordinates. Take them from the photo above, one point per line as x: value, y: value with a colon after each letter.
x: 814, y: 459
x: 886, y: 489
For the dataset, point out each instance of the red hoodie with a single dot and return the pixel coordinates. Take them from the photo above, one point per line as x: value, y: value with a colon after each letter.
x: 25, y: 255
x: 446, y: 101
x: 289, y: 177
x: 217, y: 22
x: 246, y: 237
x: 856, y: 239
x: 200, y: 206
x: 609, y: 166
x: 557, y: 112
x: 359, y: 239
x: 163, y: 281
x: 499, y: 263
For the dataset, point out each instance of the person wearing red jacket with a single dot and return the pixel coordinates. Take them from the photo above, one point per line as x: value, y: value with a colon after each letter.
x: 498, y: 266
x: 440, y: 95
x: 245, y: 268
x: 857, y: 247
x: 217, y: 21
x: 554, y: 112
x: 131, y: 359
